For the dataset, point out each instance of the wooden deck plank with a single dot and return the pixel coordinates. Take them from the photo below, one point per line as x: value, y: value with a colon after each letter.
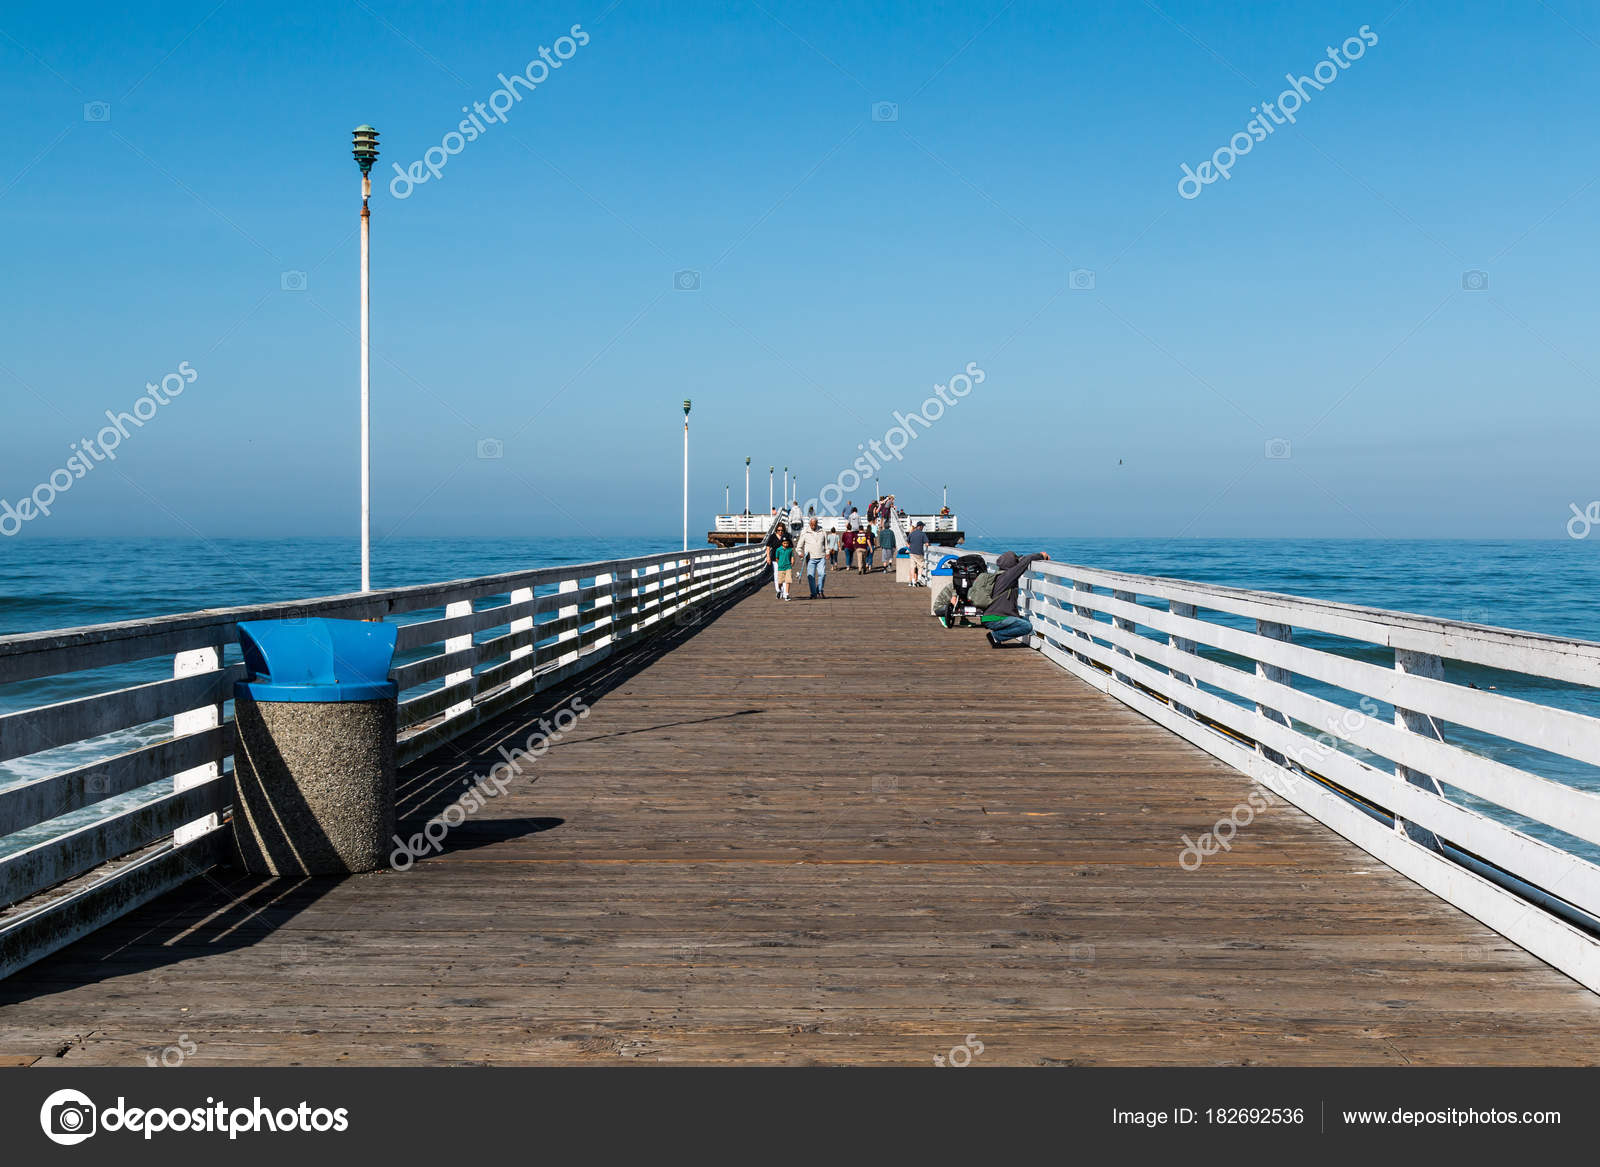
x: 819, y: 833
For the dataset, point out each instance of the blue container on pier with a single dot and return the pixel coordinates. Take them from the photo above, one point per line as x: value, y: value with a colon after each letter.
x: 317, y: 660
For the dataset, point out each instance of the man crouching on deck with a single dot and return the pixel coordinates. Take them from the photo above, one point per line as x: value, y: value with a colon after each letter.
x: 1000, y: 617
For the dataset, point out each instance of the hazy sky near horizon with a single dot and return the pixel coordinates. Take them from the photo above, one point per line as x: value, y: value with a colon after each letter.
x: 804, y: 217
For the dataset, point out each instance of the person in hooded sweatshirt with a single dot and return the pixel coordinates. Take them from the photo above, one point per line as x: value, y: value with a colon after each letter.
x: 1000, y: 619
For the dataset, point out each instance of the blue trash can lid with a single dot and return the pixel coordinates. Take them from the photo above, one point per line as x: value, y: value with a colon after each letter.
x: 317, y: 659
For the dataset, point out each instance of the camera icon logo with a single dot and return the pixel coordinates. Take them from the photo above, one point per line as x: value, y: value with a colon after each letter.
x: 686, y: 280
x: 97, y: 111
x: 1081, y: 279
x: 292, y: 281
x: 490, y: 448
x: 68, y: 1117
x: 1475, y: 281
x: 1278, y: 449
x: 885, y: 111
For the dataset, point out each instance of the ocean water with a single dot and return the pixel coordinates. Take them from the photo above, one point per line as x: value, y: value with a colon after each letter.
x: 1540, y: 586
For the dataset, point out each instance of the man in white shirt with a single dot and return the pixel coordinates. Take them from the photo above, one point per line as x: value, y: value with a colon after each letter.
x: 812, y: 547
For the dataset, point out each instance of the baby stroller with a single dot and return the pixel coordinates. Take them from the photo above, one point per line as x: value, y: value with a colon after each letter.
x: 964, y: 572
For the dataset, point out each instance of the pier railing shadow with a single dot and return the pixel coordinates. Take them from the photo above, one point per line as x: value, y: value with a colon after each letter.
x: 223, y: 908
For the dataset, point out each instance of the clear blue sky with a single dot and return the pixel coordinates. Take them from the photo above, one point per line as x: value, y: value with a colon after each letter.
x: 846, y: 264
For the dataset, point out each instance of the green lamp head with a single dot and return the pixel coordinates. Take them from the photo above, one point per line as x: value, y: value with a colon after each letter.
x: 366, y: 148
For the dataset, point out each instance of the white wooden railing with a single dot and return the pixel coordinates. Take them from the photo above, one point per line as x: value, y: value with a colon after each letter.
x: 1368, y: 753
x: 64, y: 872
x: 751, y: 524
x: 760, y: 524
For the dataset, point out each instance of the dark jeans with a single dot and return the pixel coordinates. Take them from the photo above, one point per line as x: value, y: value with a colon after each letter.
x: 1009, y: 628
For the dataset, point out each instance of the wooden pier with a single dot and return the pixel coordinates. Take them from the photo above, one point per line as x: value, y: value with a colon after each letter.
x: 817, y: 832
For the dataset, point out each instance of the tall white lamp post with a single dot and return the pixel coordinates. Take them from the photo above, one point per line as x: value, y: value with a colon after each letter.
x: 686, y: 474
x: 366, y: 153
x: 747, y: 500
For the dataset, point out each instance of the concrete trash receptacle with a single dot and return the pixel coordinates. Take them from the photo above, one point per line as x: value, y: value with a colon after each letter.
x: 938, y: 575
x: 314, y: 765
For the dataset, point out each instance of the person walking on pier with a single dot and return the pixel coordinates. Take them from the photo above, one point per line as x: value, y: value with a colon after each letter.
x: 1000, y: 618
x: 784, y: 559
x: 886, y: 539
x: 917, y: 545
x: 813, y: 548
x: 834, y: 544
x: 775, y: 537
x: 864, y: 551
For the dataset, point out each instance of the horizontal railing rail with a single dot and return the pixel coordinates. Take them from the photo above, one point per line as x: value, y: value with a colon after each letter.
x: 933, y: 524
x: 93, y: 837
x: 755, y: 523
x: 1366, y: 747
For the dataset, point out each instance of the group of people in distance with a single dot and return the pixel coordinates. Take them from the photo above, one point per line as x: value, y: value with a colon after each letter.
x: 869, y: 544
x: 813, y: 549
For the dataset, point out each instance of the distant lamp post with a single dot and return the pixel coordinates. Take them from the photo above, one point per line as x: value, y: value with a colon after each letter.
x: 785, y: 488
x: 366, y: 153
x: 727, y: 507
x: 686, y: 404
x: 747, y: 500
x: 771, y: 471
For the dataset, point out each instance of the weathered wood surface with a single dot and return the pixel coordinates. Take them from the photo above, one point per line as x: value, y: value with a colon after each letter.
x: 819, y: 832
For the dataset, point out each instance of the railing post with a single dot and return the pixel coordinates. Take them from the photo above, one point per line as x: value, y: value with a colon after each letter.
x: 647, y: 590
x: 1182, y: 644
x: 458, y: 644
x: 1417, y: 664
x: 1086, y: 613
x: 1126, y: 625
x: 189, y: 664
x: 522, y: 596
x: 1273, y: 631
x: 633, y: 601
x: 605, y: 608
x: 567, y: 585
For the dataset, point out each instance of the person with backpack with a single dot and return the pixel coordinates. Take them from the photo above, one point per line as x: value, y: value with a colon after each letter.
x: 863, y: 551
x: 1000, y: 619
